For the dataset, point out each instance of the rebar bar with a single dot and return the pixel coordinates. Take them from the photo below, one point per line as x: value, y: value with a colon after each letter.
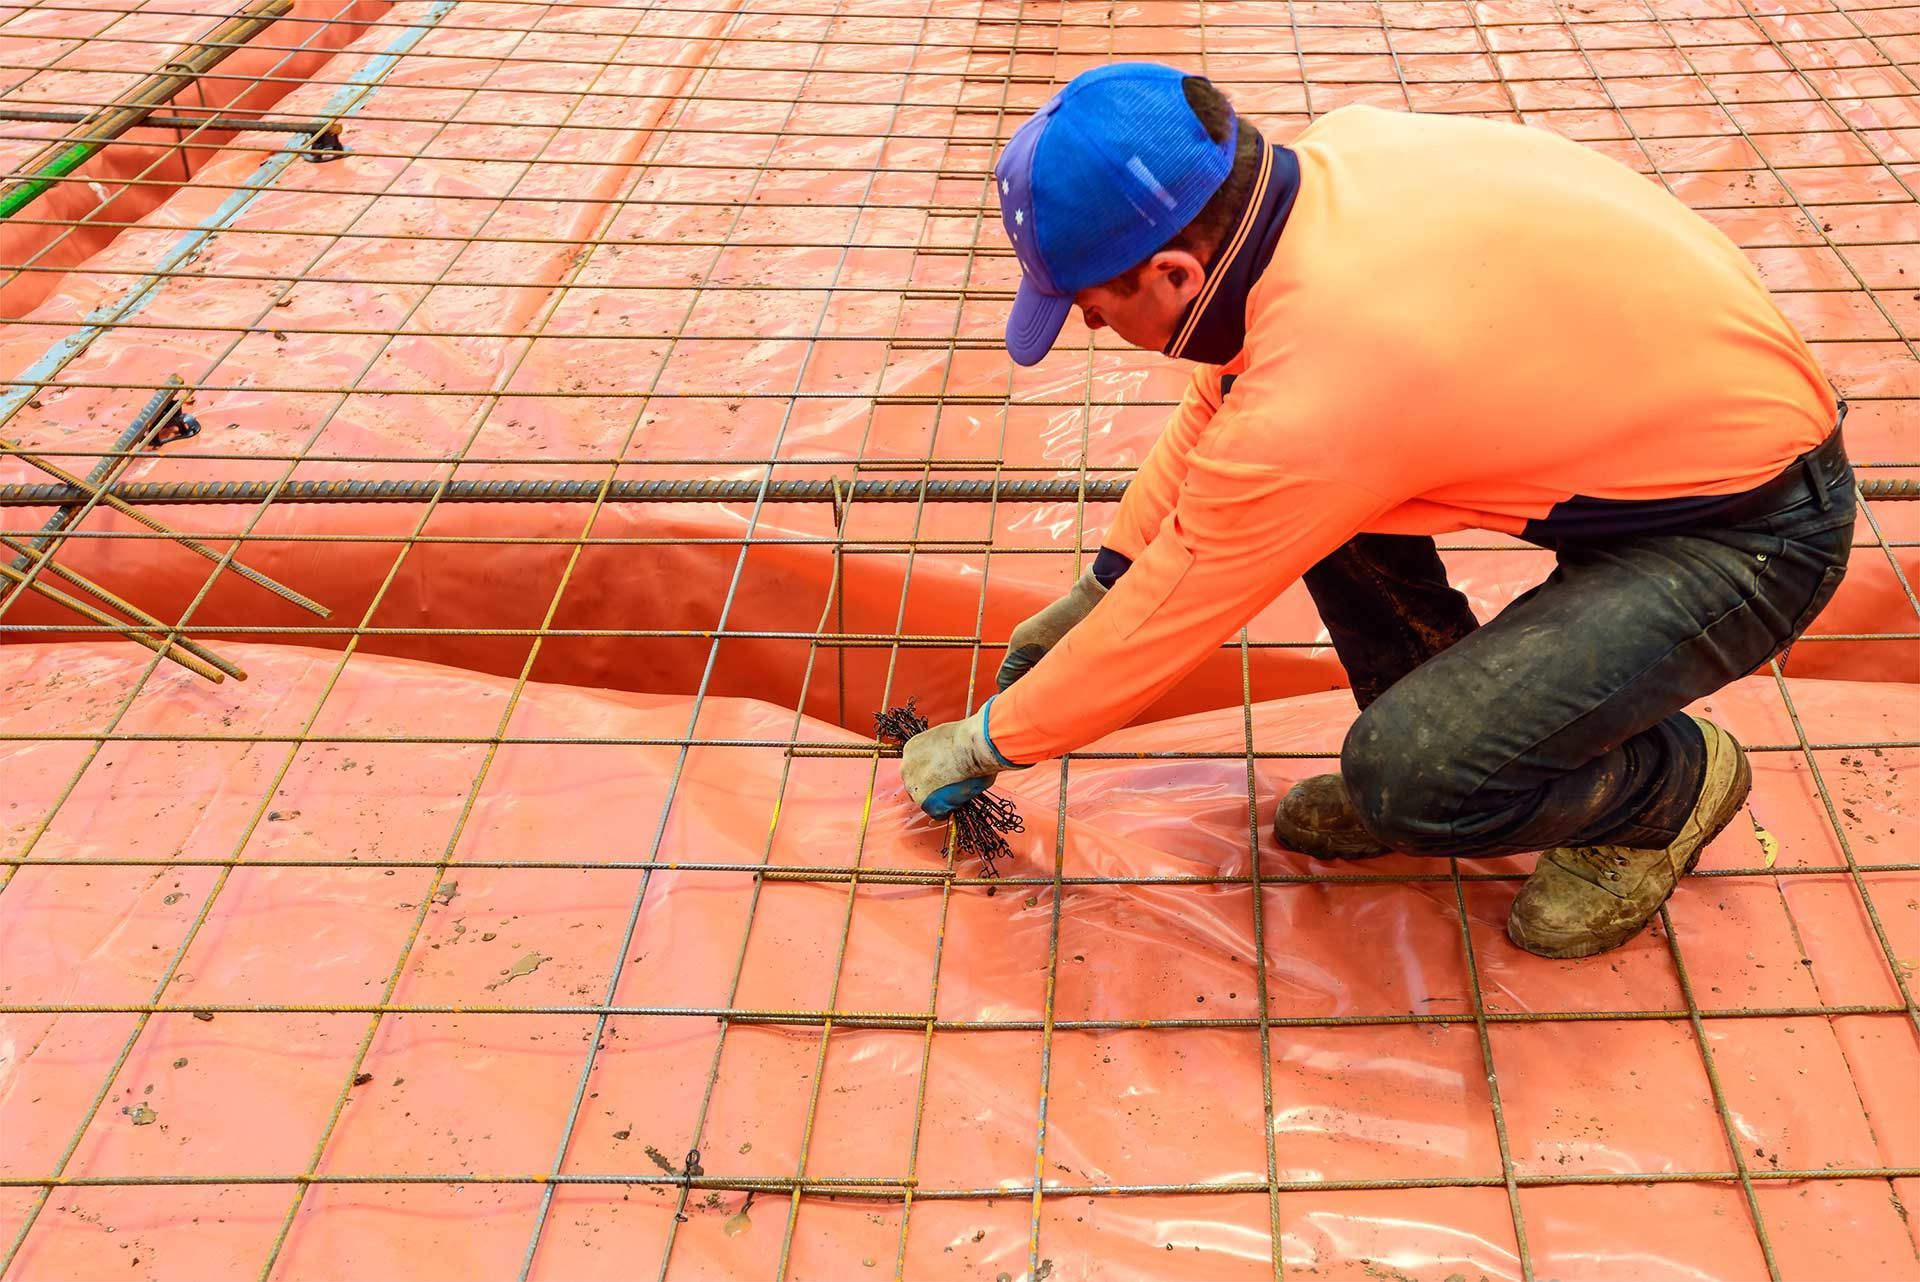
x: 164, y: 120
x: 710, y: 490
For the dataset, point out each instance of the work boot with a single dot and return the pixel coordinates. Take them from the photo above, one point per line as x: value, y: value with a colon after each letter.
x: 1317, y: 818
x: 1583, y: 900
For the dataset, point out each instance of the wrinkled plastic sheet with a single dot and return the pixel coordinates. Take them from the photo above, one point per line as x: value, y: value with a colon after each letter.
x: 489, y: 1094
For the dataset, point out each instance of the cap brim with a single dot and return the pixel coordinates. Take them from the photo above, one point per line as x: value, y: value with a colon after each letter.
x: 1035, y: 322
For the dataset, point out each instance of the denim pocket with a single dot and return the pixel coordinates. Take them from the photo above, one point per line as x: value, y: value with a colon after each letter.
x: 1823, y: 593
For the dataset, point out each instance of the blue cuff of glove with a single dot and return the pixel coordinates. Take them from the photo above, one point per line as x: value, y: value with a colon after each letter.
x: 986, y: 732
x: 942, y: 802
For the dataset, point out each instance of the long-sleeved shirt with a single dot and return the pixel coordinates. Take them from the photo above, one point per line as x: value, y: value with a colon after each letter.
x: 1461, y: 324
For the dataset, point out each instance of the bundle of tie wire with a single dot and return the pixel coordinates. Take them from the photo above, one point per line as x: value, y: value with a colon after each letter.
x: 979, y: 826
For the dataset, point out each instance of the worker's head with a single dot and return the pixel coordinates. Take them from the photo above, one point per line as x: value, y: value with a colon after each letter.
x: 1115, y: 196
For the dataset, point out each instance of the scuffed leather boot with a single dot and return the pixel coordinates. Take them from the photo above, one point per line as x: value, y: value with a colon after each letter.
x: 1316, y: 818
x: 1583, y: 900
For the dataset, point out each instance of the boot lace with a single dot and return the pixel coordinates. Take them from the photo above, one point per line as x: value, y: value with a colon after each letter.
x: 1604, y: 862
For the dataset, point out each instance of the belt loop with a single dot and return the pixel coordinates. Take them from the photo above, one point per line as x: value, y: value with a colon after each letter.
x: 1816, y: 479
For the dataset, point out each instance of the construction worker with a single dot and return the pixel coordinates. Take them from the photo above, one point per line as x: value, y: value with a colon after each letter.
x: 1405, y: 325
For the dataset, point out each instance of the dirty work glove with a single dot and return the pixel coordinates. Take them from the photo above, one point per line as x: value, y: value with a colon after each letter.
x: 946, y: 767
x: 1039, y: 634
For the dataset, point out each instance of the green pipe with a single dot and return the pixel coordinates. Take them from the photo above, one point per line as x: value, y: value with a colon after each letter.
x: 63, y: 164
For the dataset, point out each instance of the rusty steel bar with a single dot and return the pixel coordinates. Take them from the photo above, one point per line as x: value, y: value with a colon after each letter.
x: 163, y: 408
x: 73, y: 489
x: 159, y: 645
x: 239, y: 124
x: 890, y: 1188
x: 710, y: 490
x: 143, y: 624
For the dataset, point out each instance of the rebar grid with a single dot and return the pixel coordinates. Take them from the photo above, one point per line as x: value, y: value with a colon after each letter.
x: 1008, y: 57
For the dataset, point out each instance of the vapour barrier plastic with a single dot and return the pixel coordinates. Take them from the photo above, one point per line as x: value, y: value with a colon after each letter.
x: 389, y: 954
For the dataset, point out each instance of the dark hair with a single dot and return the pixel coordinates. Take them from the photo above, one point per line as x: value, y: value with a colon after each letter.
x: 1210, y: 226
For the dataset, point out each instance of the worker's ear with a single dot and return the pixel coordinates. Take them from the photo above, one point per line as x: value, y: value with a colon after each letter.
x: 1179, y: 273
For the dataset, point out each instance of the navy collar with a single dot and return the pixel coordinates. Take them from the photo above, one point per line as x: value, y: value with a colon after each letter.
x: 1214, y: 327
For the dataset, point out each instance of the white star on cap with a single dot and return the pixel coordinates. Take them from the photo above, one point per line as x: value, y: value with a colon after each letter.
x: 1019, y: 217
x: 1005, y: 186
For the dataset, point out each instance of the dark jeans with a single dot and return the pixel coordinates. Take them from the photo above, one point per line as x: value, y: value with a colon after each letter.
x: 1558, y: 723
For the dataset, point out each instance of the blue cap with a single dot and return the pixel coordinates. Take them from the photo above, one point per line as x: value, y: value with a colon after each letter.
x: 1102, y: 176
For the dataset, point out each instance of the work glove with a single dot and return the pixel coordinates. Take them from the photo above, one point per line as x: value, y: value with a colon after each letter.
x: 1030, y: 641
x: 950, y: 764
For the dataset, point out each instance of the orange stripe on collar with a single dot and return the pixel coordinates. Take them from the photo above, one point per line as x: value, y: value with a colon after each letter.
x: 1217, y: 271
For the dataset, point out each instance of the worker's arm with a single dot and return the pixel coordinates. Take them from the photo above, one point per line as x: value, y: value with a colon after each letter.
x: 1239, y: 533
x: 1156, y: 485
x: 1149, y: 497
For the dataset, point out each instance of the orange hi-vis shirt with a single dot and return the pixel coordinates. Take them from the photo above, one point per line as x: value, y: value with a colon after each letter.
x: 1462, y: 324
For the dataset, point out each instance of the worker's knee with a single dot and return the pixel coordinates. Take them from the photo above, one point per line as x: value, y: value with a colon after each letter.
x: 1400, y: 772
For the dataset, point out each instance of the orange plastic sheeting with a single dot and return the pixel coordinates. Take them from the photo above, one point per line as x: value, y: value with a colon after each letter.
x: 90, y: 55
x: 487, y: 1095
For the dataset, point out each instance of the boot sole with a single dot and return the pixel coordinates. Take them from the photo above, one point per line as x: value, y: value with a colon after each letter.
x: 1318, y: 845
x: 1590, y: 944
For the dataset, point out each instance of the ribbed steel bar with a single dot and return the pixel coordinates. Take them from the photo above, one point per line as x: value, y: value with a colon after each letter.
x: 159, y: 410
x: 858, y: 463
x: 1611, y: 22
x: 216, y: 120
x: 890, y: 1188
x: 713, y: 490
x: 1093, y: 21
x: 73, y: 489
x: 917, y: 292
x: 772, y: 96
x: 735, y: 396
x: 721, y: 203
x: 268, y: 124
x: 914, y: 1020
x: 901, y: 876
x: 815, y: 748
x: 952, y: 250
x: 159, y: 644
x: 142, y: 620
